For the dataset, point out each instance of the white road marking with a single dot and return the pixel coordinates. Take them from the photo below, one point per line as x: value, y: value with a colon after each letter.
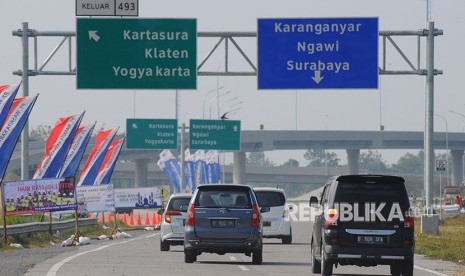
x: 233, y: 258
x: 243, y: 268
x: 153, y: 235
x: 53, y: 271
x: 430, y: 271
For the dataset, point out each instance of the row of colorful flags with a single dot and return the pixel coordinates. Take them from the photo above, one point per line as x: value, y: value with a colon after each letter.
x: 199, y: 168
x: 65, y: 146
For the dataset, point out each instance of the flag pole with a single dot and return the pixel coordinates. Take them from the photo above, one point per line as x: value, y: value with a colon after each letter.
x: 4, y: 238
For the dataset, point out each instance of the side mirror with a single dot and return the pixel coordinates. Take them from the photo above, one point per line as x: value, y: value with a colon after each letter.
x: 313, y: 202
x: 265, y: 209
x: 160, y: 211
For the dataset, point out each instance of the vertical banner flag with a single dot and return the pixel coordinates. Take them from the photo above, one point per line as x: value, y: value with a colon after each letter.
x: 14, y: 123
x: 170, y: 168
x: 189, y: 172
x: 7, y: 95
x: 213, y: 166
x: 109, y: 162
x: 57, y: 147
x: 200, y: 168
x: 75, y: 153
x: 40, y: 195
x: 95, y: 159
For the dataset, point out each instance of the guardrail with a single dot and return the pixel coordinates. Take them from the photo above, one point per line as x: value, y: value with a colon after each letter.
x: 45, y: 226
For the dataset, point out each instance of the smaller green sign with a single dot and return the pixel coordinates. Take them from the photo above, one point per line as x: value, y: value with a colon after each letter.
x: 152, y: 133
x: 215, y: 134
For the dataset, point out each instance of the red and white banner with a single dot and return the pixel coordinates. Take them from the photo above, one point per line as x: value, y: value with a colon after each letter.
x: 75, y: 153
x: 96, y: 156
x: 14, y: 123
x: 57, y: 146
x: 109, y: 162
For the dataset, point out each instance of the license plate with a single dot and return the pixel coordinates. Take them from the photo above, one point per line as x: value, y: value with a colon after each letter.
x: 223, y: 223
x: 377, y: 240
x: 267, y: 223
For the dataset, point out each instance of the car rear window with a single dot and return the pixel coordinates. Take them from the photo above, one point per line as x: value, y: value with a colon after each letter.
x: 179, y: 204
x: 372, y: 192
x: 233, y: 197
x: 270, y: 199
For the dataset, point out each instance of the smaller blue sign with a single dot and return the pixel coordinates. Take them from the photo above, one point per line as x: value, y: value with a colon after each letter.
x: 322, y: 53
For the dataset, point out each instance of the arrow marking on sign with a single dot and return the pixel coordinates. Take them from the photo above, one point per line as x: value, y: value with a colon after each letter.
x: 317, y: 78
x: 235, y: 128
x: 93, y: 35
x: 134, y: 125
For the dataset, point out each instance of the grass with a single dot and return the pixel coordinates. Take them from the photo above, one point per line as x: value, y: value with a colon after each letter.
x: 44, y: 239
x: 448, y: 246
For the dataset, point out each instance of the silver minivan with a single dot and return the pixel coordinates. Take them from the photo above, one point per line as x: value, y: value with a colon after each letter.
x: 173, y: 221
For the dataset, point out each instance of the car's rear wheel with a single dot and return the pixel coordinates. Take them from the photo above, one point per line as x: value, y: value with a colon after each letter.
x: 257, y: 256
x: 287, y: 239
x: 396, y: 269
x: 407, y: 268
x: 316, y: 265
x: 164, y: 246
x: 189, y: 257
x: 326, y: 265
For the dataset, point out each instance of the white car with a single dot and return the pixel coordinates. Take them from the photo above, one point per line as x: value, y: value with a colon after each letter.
x: 173, y: 221
x: 276, y: 223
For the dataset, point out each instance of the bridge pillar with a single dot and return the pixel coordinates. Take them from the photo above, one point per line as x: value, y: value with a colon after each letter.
x: 457, y: 166
x: 352, y: 160
x: 239, y: 167
x: 141, y: 172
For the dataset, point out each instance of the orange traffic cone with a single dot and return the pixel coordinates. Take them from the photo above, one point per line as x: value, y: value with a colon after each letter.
x: 154, y: 219
x: 109, y: 217
x: 158, y: 219
x: 125, y: 219
x: 117, y: 216
x: 147, y: 219
x: 131, y: 219
x: 138, y: 219
x: 102, y: 219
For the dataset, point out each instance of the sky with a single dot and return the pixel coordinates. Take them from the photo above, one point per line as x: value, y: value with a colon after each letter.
x: 398, y: 104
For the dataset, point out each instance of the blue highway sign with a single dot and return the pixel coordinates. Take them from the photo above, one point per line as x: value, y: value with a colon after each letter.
x: 318, y: 53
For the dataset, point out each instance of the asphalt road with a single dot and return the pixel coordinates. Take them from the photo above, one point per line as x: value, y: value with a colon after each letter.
x: 141, y: 255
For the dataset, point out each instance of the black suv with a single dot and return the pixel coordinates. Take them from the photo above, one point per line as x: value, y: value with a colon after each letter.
x: 365, y: 221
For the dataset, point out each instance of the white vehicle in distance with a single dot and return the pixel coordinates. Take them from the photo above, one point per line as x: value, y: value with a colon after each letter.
x: 173, y: 221
x: 276, y: 223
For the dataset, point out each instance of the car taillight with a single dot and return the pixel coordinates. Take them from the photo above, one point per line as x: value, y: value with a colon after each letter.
x: 168, y: 215
x: 285, y: 214
x: 190, y: 215
x: 255, y: 216
x: 409, y: 222
x: 331, y: 217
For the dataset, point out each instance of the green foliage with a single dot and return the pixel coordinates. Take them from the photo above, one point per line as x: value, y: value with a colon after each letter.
x: 291, y: 163
x: 40, y: 132
x: 448, y: 245
x: 258, y: 159
x: 410, y: 164
x: 321, y: 157
x: 372, y: 162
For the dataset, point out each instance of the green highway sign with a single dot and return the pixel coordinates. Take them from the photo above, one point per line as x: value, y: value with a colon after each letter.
x: 215, y: 134
x: 151, y: 134
x: 441, y: 165
x: 134, y: 53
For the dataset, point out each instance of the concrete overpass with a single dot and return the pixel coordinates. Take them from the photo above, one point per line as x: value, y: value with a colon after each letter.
x: 268, y: 140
